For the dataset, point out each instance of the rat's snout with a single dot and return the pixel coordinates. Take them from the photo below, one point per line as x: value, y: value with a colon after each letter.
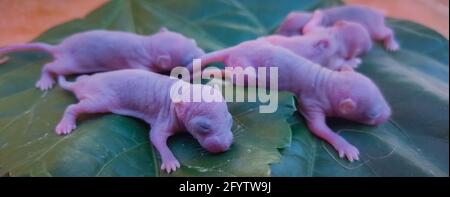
x: 381, y: 118
x: 199, y: 52
x: 384, y: 117
x: 218, y: 143
x: 196, y: 51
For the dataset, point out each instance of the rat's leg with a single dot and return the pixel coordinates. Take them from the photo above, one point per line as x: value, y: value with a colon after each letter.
x: 338, y: 63
x: 314, y: 23
x: 386, y: 35
x: 68, y: 122
x: 51, y: 70
x: 354, y: 62
x: 335, y: 63
x: 210, y: 73
x: 46, y: 80
x: 158, y: 137
x: 318, y: 126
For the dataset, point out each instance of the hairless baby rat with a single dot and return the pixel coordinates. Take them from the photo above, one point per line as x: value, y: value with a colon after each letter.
x: 321, y: 92
x: 333, y: 47
x: 100, y: 50
x: 373, y: 20
x: 209, y: 122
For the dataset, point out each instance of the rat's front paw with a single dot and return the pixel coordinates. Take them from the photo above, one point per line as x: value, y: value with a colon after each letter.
x: 346, y: 149
x: 354, y: 63
x: 392, y: 46
x: 170, y: 165
x: 65, y: 127
x: 45, y: 83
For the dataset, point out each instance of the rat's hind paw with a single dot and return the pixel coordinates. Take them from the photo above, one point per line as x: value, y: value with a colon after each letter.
x: 170, y: 165
x: 355, y: 62
x: 45, y: 84
x: 65, y: 127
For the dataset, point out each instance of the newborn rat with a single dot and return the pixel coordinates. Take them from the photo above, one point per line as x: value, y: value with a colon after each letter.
x: 100, y: 50
x: 333, y: 47
x: 373, y: 20
x: 150, y: 100
x: 321, y: 92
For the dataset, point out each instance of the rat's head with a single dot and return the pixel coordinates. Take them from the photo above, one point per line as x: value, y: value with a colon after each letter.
x: 356, y: 97
x: 208, y: 122
x: 355, y: 39
x: 173, y: 49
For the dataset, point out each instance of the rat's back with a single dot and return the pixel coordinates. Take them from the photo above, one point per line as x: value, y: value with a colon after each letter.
x: 101, y: 49
x: 131, y: 87
x: 356, y: 13
x: 263, y: 54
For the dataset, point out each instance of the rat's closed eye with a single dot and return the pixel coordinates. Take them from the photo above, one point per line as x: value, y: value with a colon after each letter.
x: 202, y: 125
x: 372, y: 115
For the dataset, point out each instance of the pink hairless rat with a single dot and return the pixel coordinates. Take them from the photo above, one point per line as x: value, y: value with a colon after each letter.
x: 333, y: 47
x: 150, y: 100
x: 373, y: 20
x: 321, y: 92
x: 100, y: 50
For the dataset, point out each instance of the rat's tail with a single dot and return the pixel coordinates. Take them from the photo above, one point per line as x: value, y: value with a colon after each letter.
x: 64, y: 83
x: 232, y: 76
x: 227, y: 75
x: 216, y: 56
x: 27, y: 47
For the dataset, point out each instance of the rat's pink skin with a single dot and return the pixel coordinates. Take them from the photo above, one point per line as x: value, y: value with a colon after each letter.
x: 293, y: 24
x: 373, y: 20
x: 99, y: 50
x: 333, y: 47
x: 146, y: 95
x: 321, y: 92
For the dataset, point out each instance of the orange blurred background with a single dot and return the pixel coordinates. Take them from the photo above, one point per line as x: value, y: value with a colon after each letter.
x: 23, y: 20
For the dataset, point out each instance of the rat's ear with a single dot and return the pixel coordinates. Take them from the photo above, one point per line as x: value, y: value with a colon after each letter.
x: 164, y: 61
x: 322, y: 44
x: 347, y: 105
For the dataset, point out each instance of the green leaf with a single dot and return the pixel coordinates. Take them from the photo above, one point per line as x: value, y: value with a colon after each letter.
x: 415, y: 141
x: 414, y: 80
x: 113, y: 145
